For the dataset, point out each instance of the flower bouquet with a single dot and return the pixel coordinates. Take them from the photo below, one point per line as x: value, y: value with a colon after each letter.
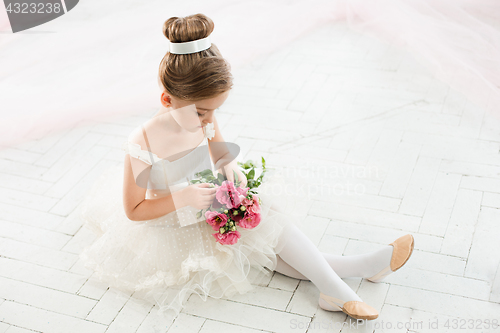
x: 233, y: 206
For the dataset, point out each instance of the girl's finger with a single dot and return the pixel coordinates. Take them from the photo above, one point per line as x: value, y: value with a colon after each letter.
x: 209, y: 190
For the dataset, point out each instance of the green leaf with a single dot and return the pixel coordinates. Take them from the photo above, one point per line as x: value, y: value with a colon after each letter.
x: 221, y: 177
x: 248, y: 164
x: 251, y: 174
x: 206, y: 173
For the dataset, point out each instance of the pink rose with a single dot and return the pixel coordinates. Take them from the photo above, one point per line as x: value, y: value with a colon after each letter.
x: 215, y: 219
x: 249, y: 221
x: 228, y: 195
x: 254, y: 208
x: 247, y: 202
x: 227, y: 238
x: 242, y: 191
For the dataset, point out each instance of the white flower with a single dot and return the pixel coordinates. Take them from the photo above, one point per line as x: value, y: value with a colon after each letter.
x: 209, y: 131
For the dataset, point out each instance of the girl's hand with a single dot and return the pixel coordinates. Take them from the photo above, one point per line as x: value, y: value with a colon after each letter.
x: 229, y: 174
x: 199, y: 196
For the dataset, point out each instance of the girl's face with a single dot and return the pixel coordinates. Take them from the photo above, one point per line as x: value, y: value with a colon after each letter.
x: 193, y: 115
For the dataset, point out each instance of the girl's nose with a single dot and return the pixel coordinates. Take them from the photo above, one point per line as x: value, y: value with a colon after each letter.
x: 208, y: 118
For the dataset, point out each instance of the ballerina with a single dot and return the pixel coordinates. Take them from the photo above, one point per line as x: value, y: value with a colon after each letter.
x: 151, y: 240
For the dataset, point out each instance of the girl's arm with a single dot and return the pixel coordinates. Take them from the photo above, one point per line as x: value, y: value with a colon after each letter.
x: 224, y: 161
x: 137, y: 208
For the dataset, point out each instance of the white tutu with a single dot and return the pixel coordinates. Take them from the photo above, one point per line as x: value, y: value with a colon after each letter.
x: 163, y: 262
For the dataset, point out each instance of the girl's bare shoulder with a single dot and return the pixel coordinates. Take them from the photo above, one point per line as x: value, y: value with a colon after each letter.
x: 148, y: 130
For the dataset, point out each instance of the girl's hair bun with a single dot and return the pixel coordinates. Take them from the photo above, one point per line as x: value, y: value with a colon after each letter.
x: 186, y: 29
x: 198, y: 75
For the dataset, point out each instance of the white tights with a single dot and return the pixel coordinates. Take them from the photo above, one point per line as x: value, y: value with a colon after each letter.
x: 299, y: 258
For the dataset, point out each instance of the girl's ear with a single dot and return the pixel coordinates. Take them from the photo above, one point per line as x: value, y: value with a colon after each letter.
x: 166, y: 100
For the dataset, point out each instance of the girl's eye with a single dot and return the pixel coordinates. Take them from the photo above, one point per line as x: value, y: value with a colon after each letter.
x: 199, y: 114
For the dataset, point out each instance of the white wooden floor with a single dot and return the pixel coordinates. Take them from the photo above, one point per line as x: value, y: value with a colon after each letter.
x: 398, y: 151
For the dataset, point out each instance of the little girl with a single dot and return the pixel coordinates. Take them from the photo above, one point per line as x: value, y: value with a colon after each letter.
x: 152, y: 242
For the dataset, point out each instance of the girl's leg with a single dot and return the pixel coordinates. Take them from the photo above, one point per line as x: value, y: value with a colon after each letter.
x: 297, y: 250
x: 285, y: 269
x: 361, y: 265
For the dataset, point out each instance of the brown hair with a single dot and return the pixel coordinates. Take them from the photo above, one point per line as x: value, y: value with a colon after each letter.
x: 198, y: 75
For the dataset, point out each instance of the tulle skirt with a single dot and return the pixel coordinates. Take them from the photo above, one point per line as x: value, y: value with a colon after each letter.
x: 164, y: 263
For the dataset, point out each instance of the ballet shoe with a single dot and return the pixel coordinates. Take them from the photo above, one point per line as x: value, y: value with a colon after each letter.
x: 355, y: 309
x: 403, y: 248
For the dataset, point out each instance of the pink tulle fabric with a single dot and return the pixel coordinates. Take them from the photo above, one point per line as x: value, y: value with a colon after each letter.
x: 100, y: 60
